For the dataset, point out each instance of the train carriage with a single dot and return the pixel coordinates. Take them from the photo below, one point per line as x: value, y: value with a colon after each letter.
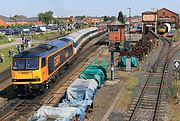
x: 82, y: 37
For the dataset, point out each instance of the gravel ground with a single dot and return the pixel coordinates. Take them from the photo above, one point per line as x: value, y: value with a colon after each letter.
x: 106, y: 96
x: 116, y: 90
x: 174, y: 108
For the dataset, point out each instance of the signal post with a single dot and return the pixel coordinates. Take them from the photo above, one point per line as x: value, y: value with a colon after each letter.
x: 116, y: 35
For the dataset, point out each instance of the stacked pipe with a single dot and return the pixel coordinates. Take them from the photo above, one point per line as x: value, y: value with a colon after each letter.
x: 140, y: 49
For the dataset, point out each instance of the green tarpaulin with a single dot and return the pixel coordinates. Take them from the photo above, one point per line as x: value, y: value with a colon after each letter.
x: 122, y: 61
x: 96, y: 70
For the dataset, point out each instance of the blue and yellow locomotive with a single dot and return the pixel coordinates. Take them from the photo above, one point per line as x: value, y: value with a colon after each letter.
x: 34, y: 69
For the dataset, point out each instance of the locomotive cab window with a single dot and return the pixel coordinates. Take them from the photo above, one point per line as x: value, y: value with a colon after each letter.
x: 25, y: 64
x: 43, y: 62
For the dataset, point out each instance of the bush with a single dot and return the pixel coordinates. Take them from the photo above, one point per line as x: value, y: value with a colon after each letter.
x: 46, y: 36
x: 132, y: 83
x: 3, y: 37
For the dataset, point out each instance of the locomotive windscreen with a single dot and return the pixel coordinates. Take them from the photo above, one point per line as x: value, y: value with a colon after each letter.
x: 25, y: 64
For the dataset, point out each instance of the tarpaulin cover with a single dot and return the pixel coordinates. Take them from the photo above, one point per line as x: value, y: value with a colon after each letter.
x: 46, y: 113
x: 82, y: 89
x: 80, y: 94
x: 122, y: 61
x: 96, y: 71
x: 134, y: 62
x: 104, y: 63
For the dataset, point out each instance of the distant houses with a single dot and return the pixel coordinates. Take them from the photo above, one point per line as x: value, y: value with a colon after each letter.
x: 91, y: 20
x: 18, y: 20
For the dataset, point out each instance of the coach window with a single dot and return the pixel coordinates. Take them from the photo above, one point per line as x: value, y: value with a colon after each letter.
x: 43, y: 63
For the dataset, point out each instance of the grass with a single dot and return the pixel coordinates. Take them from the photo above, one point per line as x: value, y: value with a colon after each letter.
x: 7, y: 59
x: 132, y: 83
x: 125, y: 99
x: 174, y: 107
x: 176, y: 35
x: 47, y: 35
x: 4, y: 39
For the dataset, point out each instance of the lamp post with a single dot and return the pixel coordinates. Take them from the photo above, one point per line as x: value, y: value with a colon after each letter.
x: 128, y: 59
x: 129, y: 23
x: 156, y: 23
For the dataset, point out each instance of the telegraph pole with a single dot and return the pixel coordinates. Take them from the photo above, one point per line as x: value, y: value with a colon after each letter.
x: 129, y: 23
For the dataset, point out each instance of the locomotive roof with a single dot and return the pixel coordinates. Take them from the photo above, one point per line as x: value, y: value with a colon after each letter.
x: 44, y: 49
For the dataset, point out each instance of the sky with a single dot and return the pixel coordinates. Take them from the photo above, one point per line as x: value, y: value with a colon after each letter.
x: 84, y: 7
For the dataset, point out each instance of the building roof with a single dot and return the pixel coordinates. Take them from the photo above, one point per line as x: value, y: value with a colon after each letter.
x: 20, y: 19
x: 116, y: 23
x: 16, y: 19
x: 32, y: 19
x: 7, y: 19
x: 149, y: 12
x: 169, y: 11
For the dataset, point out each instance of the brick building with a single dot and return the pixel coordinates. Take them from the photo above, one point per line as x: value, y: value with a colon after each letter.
x: 8, y: 21
x: 5, y: 21
x: 116, y: 32
x: 166, y: 14
x: 91, y: 20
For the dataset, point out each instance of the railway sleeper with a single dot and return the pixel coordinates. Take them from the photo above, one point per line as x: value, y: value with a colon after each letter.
x: 148, y: 104
x: 149, y: 101
x: 147, y: 107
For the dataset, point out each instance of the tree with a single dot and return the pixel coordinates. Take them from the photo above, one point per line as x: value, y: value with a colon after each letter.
x: 46, y: 17
x: 121, y: 17
x: 112, y: 18
x: 106, y: 18
x: 58, y: 21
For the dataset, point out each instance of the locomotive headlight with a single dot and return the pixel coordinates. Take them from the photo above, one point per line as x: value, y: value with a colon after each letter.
x: 14, y: 80
x: 37, y: 80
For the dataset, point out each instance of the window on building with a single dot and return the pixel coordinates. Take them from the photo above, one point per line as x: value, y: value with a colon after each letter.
x: 113, y: 29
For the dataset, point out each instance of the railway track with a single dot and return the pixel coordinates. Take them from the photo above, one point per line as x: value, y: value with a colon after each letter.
x: 151, y: 103
x: 22, y: 109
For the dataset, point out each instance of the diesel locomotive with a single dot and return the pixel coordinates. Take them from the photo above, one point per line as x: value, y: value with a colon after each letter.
x: 33, y: 70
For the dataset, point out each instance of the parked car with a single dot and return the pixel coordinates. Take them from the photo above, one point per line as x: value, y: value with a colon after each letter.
x: 6, y: 31
x: 26, y: 30
x: 133, y: 30
x: 41, y: 29
x: 16, y: 31
x: 170, y: 33
x: 139, y: 29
